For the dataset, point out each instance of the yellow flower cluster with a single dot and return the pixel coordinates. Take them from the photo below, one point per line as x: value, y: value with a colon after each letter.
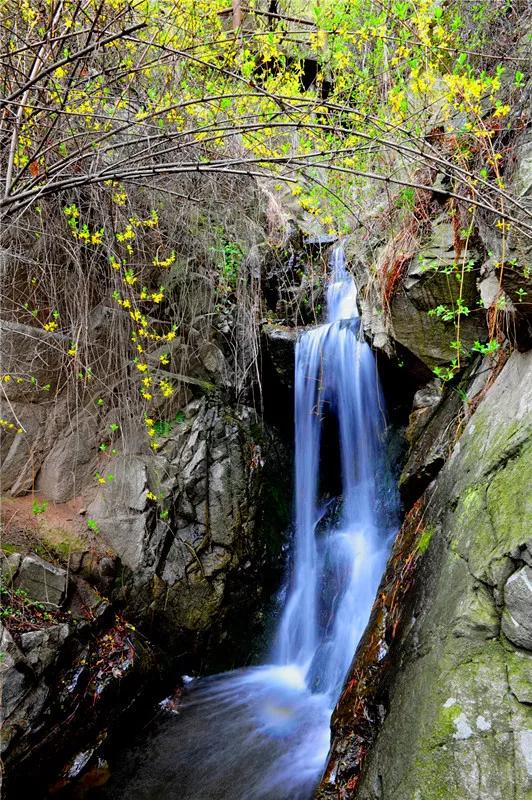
x: 150, y: 430
x: 10, y: 426
x: 166, y: 387
x: 165, y: 263
x: 155, y: 297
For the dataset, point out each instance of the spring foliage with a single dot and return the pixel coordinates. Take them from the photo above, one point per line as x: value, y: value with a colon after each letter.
x: 317, y: 99
x: 98, y: 91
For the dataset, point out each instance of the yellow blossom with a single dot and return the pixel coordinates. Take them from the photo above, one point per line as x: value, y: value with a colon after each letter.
x: 129, y: 278
x: 501, y: 111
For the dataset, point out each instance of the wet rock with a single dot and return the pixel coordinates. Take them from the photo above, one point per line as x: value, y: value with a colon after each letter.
x: 430, y: 433
x: 41, y: 648
x: 457, y: 694
x: 42, y: 581
x: 320, y: 241
x: 280, y: 347
x: 517, y: 615
x: 64, y: 690
x: 85, y: 602
x: 425, y: 401
x: 428, y: 396
x: 416, y: 422
x: 15, y: 677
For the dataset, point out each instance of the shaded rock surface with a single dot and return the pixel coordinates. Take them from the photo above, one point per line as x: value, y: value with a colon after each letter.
x: 208, y: 548
x: 428, y: 284
x: 280, y: 348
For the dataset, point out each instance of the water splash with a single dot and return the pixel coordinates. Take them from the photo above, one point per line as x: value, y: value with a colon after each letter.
x: 263, y: 733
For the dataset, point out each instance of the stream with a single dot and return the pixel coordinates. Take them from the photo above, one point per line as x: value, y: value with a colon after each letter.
x: 262, y: 733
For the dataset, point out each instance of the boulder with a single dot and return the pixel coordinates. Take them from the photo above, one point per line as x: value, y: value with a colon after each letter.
x: 41, y: 648
x: 70, y: 465
x: 218, y: 480
x: 517, y: 615
x: 9, y: 565
x: 119, y: 508
x: 22, y: 453
x: 427, y: 286
x: 42, y: 581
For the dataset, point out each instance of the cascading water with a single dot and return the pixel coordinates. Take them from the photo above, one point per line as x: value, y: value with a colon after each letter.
x: 263, y: 733
x: 335, y: 574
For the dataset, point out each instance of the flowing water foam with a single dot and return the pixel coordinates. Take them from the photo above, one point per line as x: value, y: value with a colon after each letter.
x: 262, y: 733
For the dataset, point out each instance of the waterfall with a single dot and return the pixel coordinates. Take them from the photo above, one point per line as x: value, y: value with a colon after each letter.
x: 336, y: 571
x: 262, y: 733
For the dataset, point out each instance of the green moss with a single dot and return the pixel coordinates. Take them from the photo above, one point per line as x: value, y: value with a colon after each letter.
x: 519, y: 666
x: 433, y: 775
x: 508, y: 502
x: 444, y: 726
x: 424, y: 540
x: 495, y: 515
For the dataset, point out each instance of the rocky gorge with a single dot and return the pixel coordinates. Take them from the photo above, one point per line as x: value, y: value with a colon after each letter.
x: 456, y: 639
x: 162, y: 601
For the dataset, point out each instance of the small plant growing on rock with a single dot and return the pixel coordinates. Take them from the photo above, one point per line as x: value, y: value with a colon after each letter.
x: 92, y: 525
x: 39, y: 508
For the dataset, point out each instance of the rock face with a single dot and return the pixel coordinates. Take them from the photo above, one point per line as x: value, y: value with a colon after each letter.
x: 205, y: 549
x: 24, y: 351
x: 452, y: 716
x: 43, y: 582
x: 67, y: 673
x: 426, y: 286
x: 280, y: 347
